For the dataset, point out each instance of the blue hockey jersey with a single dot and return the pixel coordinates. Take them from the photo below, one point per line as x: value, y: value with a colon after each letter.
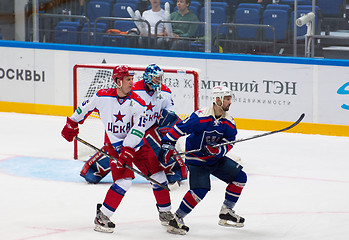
x: 203, y: 129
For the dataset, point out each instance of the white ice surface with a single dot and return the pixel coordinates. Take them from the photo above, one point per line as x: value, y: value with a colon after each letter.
x: 297, y: 188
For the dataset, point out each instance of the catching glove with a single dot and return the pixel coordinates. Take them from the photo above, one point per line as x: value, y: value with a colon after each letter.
x: 126, y: 157
x: 166, y: 151
x: 70, y: 130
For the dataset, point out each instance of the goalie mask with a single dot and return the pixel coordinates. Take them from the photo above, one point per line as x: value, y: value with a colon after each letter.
x: 153, y: 75
x: 120, y: 71
x: 221, y: 92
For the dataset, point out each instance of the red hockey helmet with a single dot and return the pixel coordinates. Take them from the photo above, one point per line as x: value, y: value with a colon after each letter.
x: 121, y: 71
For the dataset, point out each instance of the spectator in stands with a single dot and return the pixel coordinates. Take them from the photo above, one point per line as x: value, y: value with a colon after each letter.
x: 180, y: 30
x: 153, y: 15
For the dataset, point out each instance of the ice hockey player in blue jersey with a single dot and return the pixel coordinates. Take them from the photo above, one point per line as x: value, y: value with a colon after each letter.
x: 205, y: 128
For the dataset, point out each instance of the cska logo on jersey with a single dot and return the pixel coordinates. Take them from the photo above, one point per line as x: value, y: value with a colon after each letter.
x: 119, y: 117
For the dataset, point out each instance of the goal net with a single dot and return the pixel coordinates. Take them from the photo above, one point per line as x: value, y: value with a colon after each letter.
x: 88, y: 79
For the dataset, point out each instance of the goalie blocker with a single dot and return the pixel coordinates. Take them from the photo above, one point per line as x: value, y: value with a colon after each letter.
x: 98, y: 166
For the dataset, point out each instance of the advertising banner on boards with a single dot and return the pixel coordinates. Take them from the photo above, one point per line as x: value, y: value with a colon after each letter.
x: 267, y: 90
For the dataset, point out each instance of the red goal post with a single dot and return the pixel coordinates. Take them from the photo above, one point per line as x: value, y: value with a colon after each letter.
x: 88, y: 79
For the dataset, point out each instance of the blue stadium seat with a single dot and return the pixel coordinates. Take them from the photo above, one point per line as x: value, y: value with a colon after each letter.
x: 279, y: 19
x: 120, y: 9
x: 66, y: 34
x: 219, y: 4
x: 100, y: 29
x: 114, y: 41
x: 299, y: 2
x: 200, y: 46
x: 68, y: 23
x: 247, y: 15
x: 218, y: 14
x: 333, y: 8
x: 97, y: 9
x: 120, y: 40
x: 124, y: 26
x: 285, y: 7
x: 128, y: 1
x: 195, y: 7
x: 250, y: 5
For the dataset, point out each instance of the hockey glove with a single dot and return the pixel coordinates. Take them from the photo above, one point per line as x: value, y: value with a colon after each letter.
x: 70, y: 130
x: 126, y: 157
x: 210, y: 150
x: 166, y: 151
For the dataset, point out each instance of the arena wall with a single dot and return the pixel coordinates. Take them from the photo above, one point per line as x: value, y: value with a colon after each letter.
x: 36, y: 78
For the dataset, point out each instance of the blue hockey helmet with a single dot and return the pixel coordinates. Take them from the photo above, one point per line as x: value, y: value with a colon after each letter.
x: 153, y: 71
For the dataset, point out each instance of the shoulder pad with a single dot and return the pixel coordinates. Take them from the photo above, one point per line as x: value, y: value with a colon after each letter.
x: 138, y: 85
x: 137, y: 98
x: 107, y: 92
x: 164, y: 88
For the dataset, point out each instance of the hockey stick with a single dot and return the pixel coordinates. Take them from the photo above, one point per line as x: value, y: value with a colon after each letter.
x: 125, y: 165
x: 249, y: 138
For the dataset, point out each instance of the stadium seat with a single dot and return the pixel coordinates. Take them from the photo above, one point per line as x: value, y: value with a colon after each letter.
x: 120, y: 40
x: 97, y: 9
x: 124, y: 26
x: 120, y: 9
x: 100, y: 29
x: 128, y: 1
x: 219, y: 4
x: 246, y: 14
x: 299, y: 2
x: 66, y: 34
x: 218, y: 14
x: 285, y: 7
x: 199, y: 46
x: 250, y: 5
x: 114, y: 41
x: 279, y: 19
x: 333, y: 8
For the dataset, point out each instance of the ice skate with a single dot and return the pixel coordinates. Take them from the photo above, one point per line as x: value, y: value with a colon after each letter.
x: 165, y: 217
x: 228, y: 218
x: 103, y: 223
x: 176, y: 226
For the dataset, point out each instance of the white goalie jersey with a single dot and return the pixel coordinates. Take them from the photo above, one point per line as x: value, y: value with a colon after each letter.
x: 155, y: 101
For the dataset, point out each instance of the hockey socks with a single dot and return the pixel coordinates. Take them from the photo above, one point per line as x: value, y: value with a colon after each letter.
x: 162, y: 196
x: 227, y: 216
x: 114, y: 195
x: 190, y: 200
x: 234, y: 189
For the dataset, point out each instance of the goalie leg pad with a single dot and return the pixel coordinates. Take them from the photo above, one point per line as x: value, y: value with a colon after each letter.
x: 96, y: 168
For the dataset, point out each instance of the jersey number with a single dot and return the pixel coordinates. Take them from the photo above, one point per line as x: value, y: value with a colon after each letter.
x: 142, y: 121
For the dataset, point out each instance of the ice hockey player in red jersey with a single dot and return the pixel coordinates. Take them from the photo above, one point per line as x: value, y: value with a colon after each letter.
x: 122, y: 112
x: 205, y: 128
